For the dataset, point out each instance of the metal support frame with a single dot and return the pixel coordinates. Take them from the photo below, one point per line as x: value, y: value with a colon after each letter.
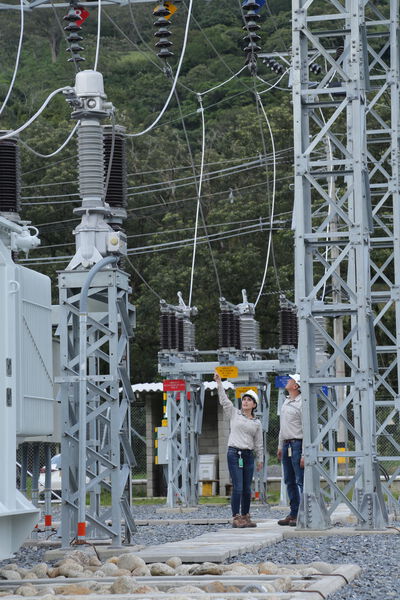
x: 383, y: 134
x: 101, y: 433
x: 335, y: 106
x: 185, y: 414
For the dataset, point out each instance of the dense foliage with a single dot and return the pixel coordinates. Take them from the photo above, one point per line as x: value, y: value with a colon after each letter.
x: 236, y: 134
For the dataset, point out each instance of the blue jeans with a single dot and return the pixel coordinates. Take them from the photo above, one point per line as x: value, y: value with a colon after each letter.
x: 241, y: 479
x: 293, y: 473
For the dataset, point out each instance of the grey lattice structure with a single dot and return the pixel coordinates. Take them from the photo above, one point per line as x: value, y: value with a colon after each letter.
x: 334, y: 235
x: 383, y: 131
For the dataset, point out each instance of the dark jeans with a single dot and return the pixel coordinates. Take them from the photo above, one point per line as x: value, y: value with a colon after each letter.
x: 241, y: 480
x: 293, y: 474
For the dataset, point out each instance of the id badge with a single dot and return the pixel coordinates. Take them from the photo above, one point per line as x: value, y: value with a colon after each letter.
x: 240, y: 461
x: 289, y: 451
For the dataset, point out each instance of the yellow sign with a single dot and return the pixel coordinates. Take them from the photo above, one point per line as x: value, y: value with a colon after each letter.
x: 228, y: 372
x: 239, y: 391
x: 171, y: 7
x: 342, y: 460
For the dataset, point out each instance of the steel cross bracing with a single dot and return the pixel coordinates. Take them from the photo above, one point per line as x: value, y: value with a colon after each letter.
x: 383, y: 132
x: 108, y: 394
x: 333, y: 220
x: 185, y: 416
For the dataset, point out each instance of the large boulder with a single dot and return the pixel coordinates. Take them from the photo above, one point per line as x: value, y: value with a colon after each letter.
x: 123, y: 585
x: 130, y: 561
x: 26, y: 590
x: 207, y: 568
x: 161, y: 570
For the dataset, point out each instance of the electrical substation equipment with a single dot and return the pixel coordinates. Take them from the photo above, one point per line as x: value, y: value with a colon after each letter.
x: 25, y: 351
x: 274, y: 65
x: 163, y: 33
x: 95, y: 326
x: 288, y: 323
x: 73, y: 32
x: 238, y: 328
x: 347, y: 251
x: 250, y: 10
x: 184, y: 403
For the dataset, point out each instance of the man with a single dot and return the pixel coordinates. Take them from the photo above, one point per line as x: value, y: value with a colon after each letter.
x: 290, y: 447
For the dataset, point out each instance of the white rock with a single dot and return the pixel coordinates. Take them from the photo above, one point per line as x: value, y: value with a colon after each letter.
x: 162, y: 569
x: 109, y: 569
x: 123, y: 585
x: 30, y: 575
x: 282, y: 584
x: 67, y: 566
x: 141, y: 572
x: 10, y: 575
x: 40, y: 570
x: 174, y: 562
x: 130, y: 561
x: 184, y: 569
x: 26, y: 590
x: 207, y: 568
x: 185, y: 589
x: 267, y: 568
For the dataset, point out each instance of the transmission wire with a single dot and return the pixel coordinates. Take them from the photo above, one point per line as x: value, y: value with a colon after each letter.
x: 21, y: 35
x: 141, y: 277
x: 197, y: 190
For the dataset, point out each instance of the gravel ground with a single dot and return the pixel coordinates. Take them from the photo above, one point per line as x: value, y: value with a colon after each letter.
x: 378, y: 555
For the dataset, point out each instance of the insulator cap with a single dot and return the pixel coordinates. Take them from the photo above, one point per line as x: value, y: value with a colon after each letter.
x: 162, y: 32
x: 252, y: 47
x: 250, y: 5
x: 71, y: 15
x: 161, y: 11
x: 164, y: 53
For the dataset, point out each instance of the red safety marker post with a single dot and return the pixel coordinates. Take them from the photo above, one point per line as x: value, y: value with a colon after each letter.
x: 81, y: 532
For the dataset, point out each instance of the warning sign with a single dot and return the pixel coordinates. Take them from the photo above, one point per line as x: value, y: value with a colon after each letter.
x: 239, y: 391
x: 228, y: 372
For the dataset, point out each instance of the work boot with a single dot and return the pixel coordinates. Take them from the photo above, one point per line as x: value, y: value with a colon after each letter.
x: 247, y: 521
x: 237, y: 521
x: 289, y: 520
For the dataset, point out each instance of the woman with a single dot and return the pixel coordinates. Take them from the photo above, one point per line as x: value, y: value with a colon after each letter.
x: 245, y: 440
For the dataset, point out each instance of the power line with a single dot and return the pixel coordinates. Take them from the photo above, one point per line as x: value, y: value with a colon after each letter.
x: 21, y: 35
x: 65, y: 143
x: 35, y: 116
x: 96, y: 59
x: 177, y: 244
x: 201, y: 208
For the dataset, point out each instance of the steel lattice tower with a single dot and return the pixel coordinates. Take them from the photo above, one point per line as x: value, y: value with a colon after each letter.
x: 344, y: 204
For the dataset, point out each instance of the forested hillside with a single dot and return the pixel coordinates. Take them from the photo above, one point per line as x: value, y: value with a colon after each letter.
x: 237, y: 190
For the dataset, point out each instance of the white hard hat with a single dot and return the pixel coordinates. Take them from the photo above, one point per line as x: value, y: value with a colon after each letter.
x: 296, y: 378
x: 252, y: 394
